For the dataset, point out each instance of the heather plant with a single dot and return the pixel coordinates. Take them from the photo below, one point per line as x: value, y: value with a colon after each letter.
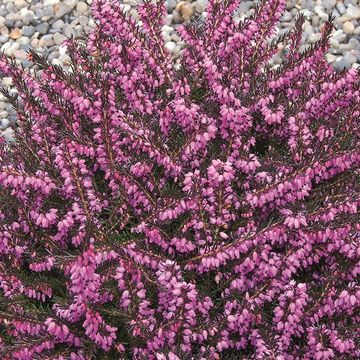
x: 199, y: 209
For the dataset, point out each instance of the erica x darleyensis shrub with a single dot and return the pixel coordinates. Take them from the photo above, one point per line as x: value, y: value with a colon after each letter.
x: 204, y: 210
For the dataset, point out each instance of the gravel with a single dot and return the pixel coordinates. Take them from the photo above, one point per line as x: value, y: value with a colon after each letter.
x: 44, y: 25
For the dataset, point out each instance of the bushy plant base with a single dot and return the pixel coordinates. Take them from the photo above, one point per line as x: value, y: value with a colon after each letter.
x: 199, y: 210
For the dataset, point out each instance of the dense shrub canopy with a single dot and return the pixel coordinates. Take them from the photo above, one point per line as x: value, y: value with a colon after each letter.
x: 203, y: 209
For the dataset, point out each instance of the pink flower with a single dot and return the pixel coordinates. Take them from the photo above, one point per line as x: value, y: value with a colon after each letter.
x: 205, y: 204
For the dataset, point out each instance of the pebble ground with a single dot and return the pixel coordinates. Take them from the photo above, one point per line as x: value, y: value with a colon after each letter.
x: 43, y: 26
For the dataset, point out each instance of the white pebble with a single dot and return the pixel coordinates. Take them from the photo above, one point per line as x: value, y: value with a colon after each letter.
x: 8, y: 134
x: 50, y: 2
x: 170, y: 45
x: 56, y: 62
x: 353, y: 12
x: 4, y: 123
x: 81, y: 7
x: 20, y: 4
x: 59, y: 38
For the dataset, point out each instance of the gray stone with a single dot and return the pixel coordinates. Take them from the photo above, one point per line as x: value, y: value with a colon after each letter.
x: 345, y: 61
x: 169, y: 19
x: 308, y: 29
x: 62, y: 10
x: 64, y: 59
x: 74, y: 23
x: 286, y: 16
x: 175, y: 38
x: 303, y: 48
x: 58, y: 24
x: 341, y: 8
x: 335, y: 51
x: 354, y: 43
x: 39, y: 13
x: 313, y: 38
x: 42, y: 28
x: 349, y: 59
x: 200, y: 5
x: 83, y: 20
x: 70, y: 3
x: 290, y: 4
x: 177, y: 50
x: 287, y: 25
x: 4, y: 38
x: 34, y: 42
x: 20, y: 54
x: 12, y: 48
x: 3, y: 10
x: 9, y: 109
x: 9, y: 22
x: 335, y: 12
x: 344, y: 48
x: 19, y: 23
x: 59, y: 38
x: 170, y: 5
x: 8, y: 134
x: 294, y: 12
x: 28, y: 30
x: 319, y: 10
x: 132, y: 3
x: 329, y: 4
x: 48, y: 11
x: 330, y: 58
x: 11, y: 7
x: 339, y: 36
x: 47, y: 40
x: 356, y: 53
x: 166, y: 37
x: 343, y: 19
x: 69, y: 31
x: 315, y: 20
x: 78, y: 32
x: 324, y: 17
x: 306, y: 12
x: 21, y: 4
x: 23, y: 40
x: 27, y: 16
x: 334, y: 43
x: 4, y: 122
x: 353, y: 12
x: 56, y: 62
x: 53, y: 55
x: 25, y: 47
x: 176, y: 17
